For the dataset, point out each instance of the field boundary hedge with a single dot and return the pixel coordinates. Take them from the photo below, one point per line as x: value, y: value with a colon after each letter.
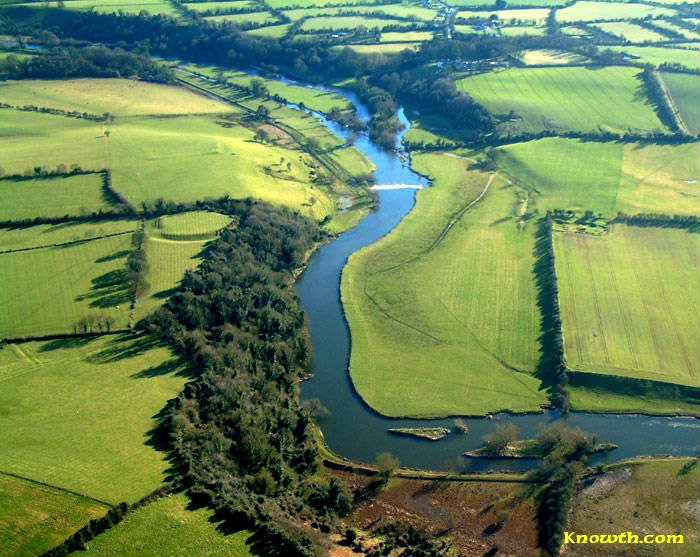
x: 72, y: 242
x: 56, y: 487
x: 666, y: 107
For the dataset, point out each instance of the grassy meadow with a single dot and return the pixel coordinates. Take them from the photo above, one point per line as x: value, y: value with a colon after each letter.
x: 48, y: 290
x: 211, y: 153
x: 565, y: 98
x: 443, y: 316
x: 634, y: 502
x: 658, y: 55
x: 79, y: 413
x: 45, y: 517
x: 604, y: 177
x: 174, y: 245
x: 48, y: 234
x: 588, y: 10
x: 52, y: 197
x: 127, y: 6
x: 631, y: 32
x: 168, y: 527
x: 550, y: 57
x: 628, y: 303
x: 684, y: 91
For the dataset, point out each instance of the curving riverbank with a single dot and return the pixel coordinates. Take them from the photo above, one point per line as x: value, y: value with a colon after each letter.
x: 356, y: 431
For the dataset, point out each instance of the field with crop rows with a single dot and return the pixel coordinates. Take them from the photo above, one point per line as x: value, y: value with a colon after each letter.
x: 564, y: 98
x: 34, y: 517
x: 605, y: 177
x: 631, y: 32
x: 79, y: 413
x: 684, y: 90
x: 627, y: 302
x: 443, y: 315
x: 48, y: 290
x: 588, y: 10
x: 168, y: 527
x: 52, y: 197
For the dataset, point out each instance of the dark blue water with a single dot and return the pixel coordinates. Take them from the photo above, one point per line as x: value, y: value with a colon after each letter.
x: 357, y: 432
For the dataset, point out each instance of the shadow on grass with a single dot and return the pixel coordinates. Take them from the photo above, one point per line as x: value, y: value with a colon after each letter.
x: 117, y: 255
x: 58, y: 344
x: 122, y: 347
x: 108, y: 290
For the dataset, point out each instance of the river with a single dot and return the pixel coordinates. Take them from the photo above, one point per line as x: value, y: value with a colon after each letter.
x: 354, y: 430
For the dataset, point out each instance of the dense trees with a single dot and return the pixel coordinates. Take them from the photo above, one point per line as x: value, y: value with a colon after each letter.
x: 93, y: 61
x: 238, y: 431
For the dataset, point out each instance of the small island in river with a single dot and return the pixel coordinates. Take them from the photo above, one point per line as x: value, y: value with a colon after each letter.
x: 429, y: 433
x: 528, y: 448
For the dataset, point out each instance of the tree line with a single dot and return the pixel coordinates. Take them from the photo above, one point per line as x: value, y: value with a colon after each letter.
x: 240, y: 438
x: 91, y: 61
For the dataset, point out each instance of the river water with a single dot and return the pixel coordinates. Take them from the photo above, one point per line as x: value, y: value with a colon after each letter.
x: 357, y: 432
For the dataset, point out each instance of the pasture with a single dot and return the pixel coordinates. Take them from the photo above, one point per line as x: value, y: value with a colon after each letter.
x: 550, y: 57
x: 52, y: 197
x: 588, y: 10
x: 657, y: 55
x: 80, y: 413
x: 648, y: 495
x: 673, y: 27
x: 174, y: 245
x: 442, y: 310
x: 628, y: 305
x: 118, y: 97
x: 533, y: 16
x: 34, y: 517
x: 168, y: 527
x: 273, y: 31
x: 383, y: 48
x: 566, y: 98
x: 49, y: 234
x: 519, y: 30
x: 258, y: 18
x: 631, y: 32
x: 127, y: 6
x: 684, y: 91
x: 350, y: 23
x: 209, y: 6
x: 190, y: 226
x: 48, y: 290
x: 604, y: 177
x: 408, y: 36
x: 209, y: 154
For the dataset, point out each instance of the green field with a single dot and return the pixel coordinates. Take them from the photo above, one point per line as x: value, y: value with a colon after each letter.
x: 274, y: 31
x: 684, y: 90
x: 193, y: 225
x: 260, y: 18
x: 233, y: 5
x: 565, y: 98
x: 383, y: 48
x: 49, y: 234
x: 631, y: 32
x: 175, y: 244
x: 45, y: 517
x: 167, y: 527
x: 657, y: 55
x: 531, y: 16
x: 643, y: 496
x: 547, y: 57
x: 127, y: 6
x: 52, y: 197
x: 444, y: 321
x: 605, y: 177
x: 691, y: 35
x: 519, y: 30
x: 350, y: 22
x: 594, y: 11
x: 182, y: 159
x: 119, y: 97
x: 78, y: 413
x: 408, y: 36
x: 48, y: 290
x: 628, y: 302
